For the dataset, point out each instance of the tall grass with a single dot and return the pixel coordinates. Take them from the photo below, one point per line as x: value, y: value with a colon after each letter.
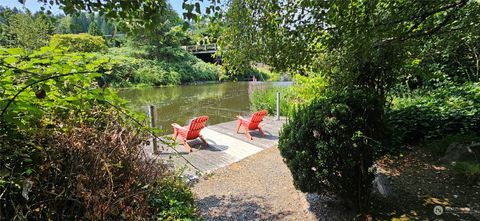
x: 265, y: 98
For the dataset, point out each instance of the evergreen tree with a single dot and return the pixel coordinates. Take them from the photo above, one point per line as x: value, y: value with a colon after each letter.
x: 24, y: 31
x: 84, y: 22
x: 93, y: 29
x: 64, y: 25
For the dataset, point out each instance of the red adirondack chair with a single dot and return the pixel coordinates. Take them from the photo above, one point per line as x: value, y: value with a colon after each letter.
x: 190, y: 132
x: 252, y: 124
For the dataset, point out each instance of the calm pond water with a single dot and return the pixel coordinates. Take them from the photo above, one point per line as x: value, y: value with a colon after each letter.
x: 220, y: 102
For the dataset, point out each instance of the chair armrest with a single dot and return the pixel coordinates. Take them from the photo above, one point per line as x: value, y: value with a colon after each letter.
x: 241, y: 118
x: 243, y: 121
x: 176, y: 126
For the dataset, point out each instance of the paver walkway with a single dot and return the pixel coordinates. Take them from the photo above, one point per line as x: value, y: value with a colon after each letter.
x: 225, y: 147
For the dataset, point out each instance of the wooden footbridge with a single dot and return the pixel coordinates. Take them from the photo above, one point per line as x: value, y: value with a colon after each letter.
x: 225, y: 147
x: 201, y: 49
x: 204, y: 52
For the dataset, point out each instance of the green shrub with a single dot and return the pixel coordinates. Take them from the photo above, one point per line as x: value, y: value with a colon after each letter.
x: 155, y: 74
x: 304, y: 90
x: 206, y: 71
x: 434, y: 113
x: 329, y: 145
x: 66, y: 154
x: 269, y: 73
x: 438, y: 147
x: 123, y: 71
x: 307, y: 88
x: 78, y: 42
x: 469, y: 170
x: 265, y: 98
x: 136, y: 67
x: 244, y: 75
x: 171, y: 199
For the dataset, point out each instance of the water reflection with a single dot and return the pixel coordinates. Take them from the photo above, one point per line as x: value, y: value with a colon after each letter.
x: 221, y: 102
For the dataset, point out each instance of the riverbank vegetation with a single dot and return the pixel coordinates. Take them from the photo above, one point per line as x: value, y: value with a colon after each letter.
x: 69, y: 148
x: 374, y: 81
x: 141, y: 58
x: 383, y: 78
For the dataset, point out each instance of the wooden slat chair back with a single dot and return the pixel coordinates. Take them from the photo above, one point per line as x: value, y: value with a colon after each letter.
x: 252, y: 124
x: 196, y: 126
x: 256, y: 119
x: 190, y: 132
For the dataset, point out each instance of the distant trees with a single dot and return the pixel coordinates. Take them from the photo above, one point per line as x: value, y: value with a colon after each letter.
x: 32, y: 31
x: 24, y: 30
x: 93, y: 29
x: 81, y: 24
x: 18, y: 28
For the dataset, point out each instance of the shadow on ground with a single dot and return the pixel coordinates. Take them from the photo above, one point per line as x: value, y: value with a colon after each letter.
x: 328, y: 208
x: 237, y: 208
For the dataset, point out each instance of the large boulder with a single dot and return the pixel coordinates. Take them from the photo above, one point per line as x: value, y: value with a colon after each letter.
x: 462, y: 152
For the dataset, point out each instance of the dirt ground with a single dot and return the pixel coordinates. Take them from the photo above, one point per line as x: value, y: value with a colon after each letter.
x: 261, y: 188
x: 419, y: 183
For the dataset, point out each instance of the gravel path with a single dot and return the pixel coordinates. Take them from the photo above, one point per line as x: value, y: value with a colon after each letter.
x: 259, y: 188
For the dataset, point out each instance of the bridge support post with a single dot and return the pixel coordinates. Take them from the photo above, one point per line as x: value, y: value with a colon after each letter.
x: 278, y: 105
x: 153, y: 119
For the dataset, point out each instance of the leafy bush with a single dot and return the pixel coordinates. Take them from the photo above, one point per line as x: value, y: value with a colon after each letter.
x: 329, y: 145
x: 244, y: 75
x: 95, y: 171
x: 136, y: 67
x: 265, y: 98
x: 207, y: 71
x: 434, y: 113
x: 79, y: 42
x: 439, y: 146
x: 66, y: 154
x: 304, y: 90
x: 307, y: 88
x: 156, y: 74
x: 469, y: 170
x: 171, y: 199
x: 268, y: 72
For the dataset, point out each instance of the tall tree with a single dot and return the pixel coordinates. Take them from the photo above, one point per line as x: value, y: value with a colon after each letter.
x: 93, y: 29
x: 64, y: 25
x: 363, y: 48
x: 359, y: 43
x: 26, y: 32
x: 164, y: 34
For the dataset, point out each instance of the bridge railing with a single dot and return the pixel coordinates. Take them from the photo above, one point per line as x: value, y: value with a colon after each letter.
x: 201, y: 48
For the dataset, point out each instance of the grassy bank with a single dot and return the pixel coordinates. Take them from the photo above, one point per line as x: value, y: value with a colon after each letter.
x: 135, y: 67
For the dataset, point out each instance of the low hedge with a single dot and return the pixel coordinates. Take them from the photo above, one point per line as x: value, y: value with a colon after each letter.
x: 434, y: 113
x: 79, y: 42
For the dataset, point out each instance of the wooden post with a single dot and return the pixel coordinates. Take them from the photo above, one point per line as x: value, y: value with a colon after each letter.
x: 278, y: 105
x: 153, y: 118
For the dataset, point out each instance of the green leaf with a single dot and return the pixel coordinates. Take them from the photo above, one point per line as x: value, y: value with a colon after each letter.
x: 16, y: 51
x: 10, y: 60
x: 28, y: 171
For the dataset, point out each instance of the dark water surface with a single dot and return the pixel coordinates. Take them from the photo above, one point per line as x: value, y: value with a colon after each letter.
x: 220, y: 102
